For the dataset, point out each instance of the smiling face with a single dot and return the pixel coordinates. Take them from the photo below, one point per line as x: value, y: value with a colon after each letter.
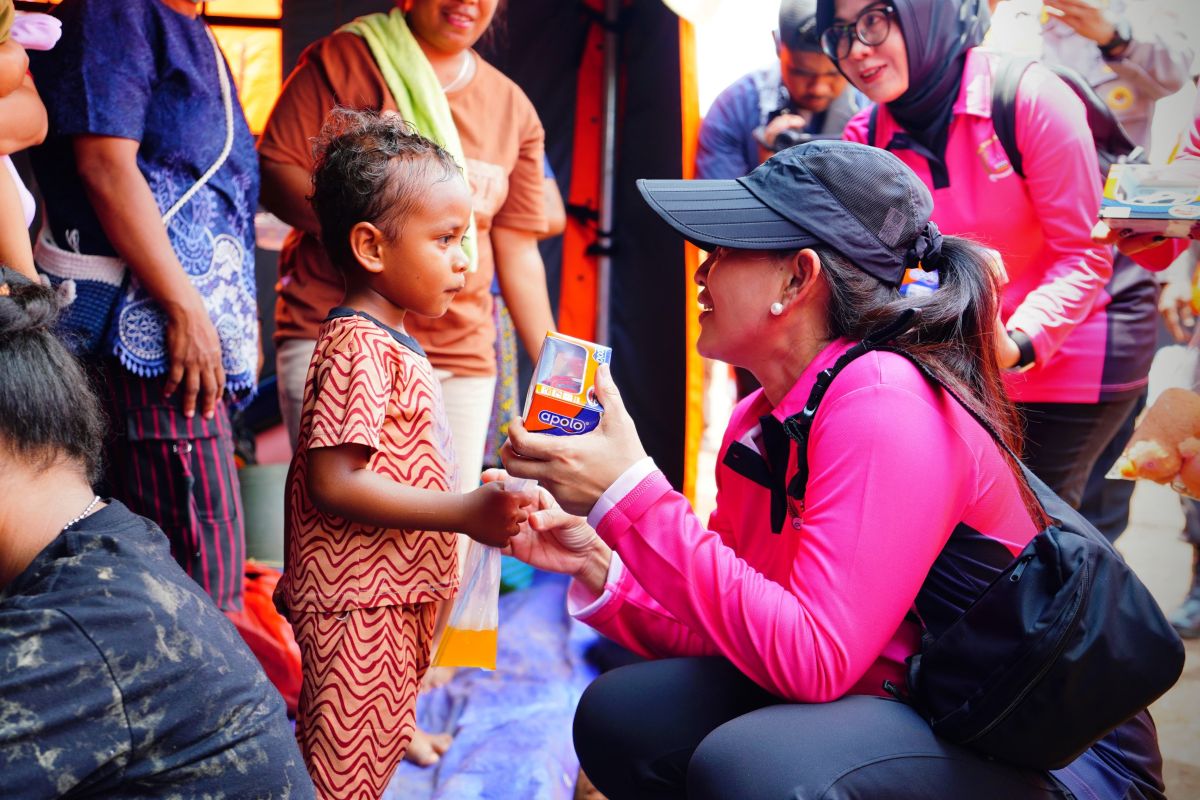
x: 449, y: 26
x: 737, y: 288
x: 879, y: 72
x: 423, y: 267
x: 811, y: 79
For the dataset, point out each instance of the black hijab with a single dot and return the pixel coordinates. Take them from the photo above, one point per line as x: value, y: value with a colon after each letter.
x: 937, y: 36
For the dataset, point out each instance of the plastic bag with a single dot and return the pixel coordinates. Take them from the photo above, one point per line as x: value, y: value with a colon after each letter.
x: 468, y: 638
x: 1165, y: 447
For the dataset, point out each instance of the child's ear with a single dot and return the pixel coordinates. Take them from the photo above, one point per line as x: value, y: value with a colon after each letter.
x: 366, y: 244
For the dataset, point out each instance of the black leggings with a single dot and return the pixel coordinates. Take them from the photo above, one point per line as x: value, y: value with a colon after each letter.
x: 1064, y: 440
x: 698, y: 728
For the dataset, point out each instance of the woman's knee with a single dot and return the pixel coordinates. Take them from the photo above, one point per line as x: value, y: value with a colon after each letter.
x: 854, y: 747
x: 636, y: 726
x: 597, y: 717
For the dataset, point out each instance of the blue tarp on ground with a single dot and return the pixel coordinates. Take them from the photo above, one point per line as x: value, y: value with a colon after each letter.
x: 512, y: 727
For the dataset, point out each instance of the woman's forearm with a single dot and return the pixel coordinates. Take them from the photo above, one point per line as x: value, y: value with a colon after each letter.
x: 285, y: 190
x: 131, y: 218
x: 24, y: 118
x: 14, y: 66
x: 522, y: 278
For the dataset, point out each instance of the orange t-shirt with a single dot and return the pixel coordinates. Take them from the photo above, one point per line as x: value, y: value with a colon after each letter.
x: 371, y: 385
x: 503, y: 141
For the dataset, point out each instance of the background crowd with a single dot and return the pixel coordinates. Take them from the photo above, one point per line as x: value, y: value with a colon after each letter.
x: 149, y: 181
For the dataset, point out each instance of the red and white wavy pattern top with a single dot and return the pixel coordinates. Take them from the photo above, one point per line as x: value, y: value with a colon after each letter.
x: 365, y: 387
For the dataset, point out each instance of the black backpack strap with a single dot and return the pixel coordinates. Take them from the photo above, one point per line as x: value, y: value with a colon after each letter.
x: 798, y: 425
x: 872, y: 124
x: 1004, y: 107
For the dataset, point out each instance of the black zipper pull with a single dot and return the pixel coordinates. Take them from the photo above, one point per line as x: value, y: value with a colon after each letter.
x: 894, y: 691
x: 1021, y: 565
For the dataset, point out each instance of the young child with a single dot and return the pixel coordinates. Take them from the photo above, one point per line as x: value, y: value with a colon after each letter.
x: 370, y: 548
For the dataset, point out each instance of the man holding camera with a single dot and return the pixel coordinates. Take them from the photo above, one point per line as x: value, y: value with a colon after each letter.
x: 804, y: 97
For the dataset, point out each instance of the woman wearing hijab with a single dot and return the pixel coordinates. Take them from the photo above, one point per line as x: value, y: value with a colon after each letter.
x: 1074, y: 367
x: 778, y: 631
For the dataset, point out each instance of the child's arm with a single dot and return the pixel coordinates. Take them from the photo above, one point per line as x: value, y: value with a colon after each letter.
x: 340, y: 484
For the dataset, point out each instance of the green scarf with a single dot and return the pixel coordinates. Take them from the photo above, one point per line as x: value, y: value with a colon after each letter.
x: 7, y: 14
x: 415, y: 88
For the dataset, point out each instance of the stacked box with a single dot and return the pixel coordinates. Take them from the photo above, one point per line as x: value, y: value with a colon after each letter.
x: 562, y: 395
x: 1150, y: 198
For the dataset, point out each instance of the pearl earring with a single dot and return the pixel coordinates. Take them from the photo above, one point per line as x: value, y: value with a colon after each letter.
x: 776, y: 309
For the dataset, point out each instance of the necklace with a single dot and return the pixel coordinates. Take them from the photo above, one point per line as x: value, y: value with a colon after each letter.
x: 460, y: 78
x: 86, y: 511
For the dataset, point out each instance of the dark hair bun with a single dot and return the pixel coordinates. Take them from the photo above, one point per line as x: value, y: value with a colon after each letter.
x: 25, y: 306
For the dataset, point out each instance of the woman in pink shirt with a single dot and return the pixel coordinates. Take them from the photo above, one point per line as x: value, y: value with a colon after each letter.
x: 778, y: 631
x: 1076, y: 361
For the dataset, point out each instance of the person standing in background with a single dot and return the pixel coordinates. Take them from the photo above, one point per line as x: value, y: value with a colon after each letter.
x: 801, y: 97
x: 149, y: 173
x: 423, y: 57
x: 1132, y: 53
x: 803, y: 94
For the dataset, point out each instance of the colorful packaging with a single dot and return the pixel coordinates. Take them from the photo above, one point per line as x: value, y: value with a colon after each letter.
x: 562, y: 396
x: 1152, y: 198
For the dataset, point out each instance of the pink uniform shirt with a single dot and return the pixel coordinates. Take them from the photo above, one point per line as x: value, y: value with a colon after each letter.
x: 818, y: 610
x: 1041, y: 225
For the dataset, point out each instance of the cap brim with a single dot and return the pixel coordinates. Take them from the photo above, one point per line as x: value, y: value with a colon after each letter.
x: 713, y: 214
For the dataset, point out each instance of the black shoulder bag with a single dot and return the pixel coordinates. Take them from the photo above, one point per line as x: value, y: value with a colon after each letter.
x: 1059, y: 649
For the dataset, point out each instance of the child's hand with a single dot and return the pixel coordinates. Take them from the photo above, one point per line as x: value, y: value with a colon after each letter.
x: 492, y: 515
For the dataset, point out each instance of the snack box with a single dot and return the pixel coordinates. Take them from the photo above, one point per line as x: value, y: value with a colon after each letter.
x: 1153, y: 198
x: 562, y: 395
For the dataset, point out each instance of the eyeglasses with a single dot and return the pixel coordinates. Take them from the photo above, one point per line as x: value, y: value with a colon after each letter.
x: 871, y: 27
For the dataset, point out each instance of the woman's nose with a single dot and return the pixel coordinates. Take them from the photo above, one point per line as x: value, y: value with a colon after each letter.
x: 859, y: 49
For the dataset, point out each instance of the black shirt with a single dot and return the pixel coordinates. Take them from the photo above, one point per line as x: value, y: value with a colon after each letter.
x: 120, y: 678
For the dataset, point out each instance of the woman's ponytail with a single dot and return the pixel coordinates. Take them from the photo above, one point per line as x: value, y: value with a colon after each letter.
x: 956, y: 333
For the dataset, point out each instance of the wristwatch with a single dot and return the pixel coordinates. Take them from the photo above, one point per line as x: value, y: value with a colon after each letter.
x: 1028, y: 358
x: 1122, y: 36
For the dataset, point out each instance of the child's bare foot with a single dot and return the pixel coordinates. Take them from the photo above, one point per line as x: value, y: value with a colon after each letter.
x: 437, y: 676
x: 426, y: 748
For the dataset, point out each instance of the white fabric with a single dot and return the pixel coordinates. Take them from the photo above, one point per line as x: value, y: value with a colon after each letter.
x: 292, y: 358
x: 580, y: 603
x: 468, y: 400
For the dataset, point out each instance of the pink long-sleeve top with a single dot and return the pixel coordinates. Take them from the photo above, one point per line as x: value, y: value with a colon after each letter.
x: 818, y: 610
x: 1041, y: 225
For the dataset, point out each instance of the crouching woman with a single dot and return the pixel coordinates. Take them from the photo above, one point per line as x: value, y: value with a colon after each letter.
x: 774, y: 629
x: 119, y: 676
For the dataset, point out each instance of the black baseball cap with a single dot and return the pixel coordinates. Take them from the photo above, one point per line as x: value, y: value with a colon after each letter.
x: 860, y: 201
x: 798, y: 26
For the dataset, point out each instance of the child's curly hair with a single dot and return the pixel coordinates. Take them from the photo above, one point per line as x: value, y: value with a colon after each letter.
x: 370, y: 167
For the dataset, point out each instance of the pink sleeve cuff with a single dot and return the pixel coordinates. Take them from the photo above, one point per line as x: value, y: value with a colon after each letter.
x: 622, y: 486
x: 582, y: 605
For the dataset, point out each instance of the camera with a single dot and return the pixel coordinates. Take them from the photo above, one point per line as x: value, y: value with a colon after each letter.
x: 790, y: 137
